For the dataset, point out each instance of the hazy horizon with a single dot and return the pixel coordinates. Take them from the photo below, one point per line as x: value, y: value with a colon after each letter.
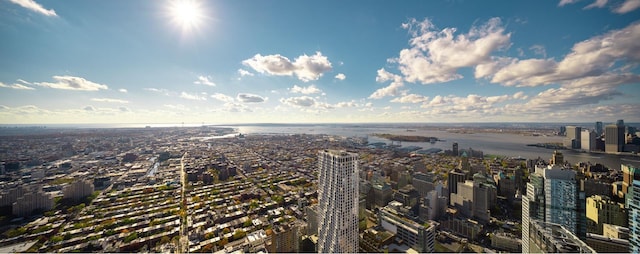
x: 224, y: 62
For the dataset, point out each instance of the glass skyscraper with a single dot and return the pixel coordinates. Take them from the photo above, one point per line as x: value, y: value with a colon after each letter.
x: 633, y: 208
x: 337, y: 202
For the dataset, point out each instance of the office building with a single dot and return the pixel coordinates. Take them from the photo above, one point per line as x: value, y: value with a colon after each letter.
x: 599, y: 130
x: 453, y: 179
x: 614, y: 138
x: 588, y: 140
x: 423, y: 183
x: 455, y: 149
x: 602, y: 210
x: 553, y: 195
x: 417, y: 236
x: 337, y: 201
x: 633, y: 207
x: 546, y: 237
x: 475, y: 198
x: 31, y: 201
x: 572, y: 139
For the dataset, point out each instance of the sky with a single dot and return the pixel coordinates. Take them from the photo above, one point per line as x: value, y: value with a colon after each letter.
x: 240, y: 61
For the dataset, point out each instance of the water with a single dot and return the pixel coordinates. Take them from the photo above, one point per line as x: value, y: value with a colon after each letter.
x: 503, y: 144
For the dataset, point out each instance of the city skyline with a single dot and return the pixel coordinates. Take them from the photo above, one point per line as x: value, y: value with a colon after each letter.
x: 192, y: 61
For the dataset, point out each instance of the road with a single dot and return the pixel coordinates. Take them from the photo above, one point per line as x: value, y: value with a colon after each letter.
x: 184, y: 237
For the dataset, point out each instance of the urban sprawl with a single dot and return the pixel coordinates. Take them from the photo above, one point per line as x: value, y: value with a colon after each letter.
x: 201, y: 189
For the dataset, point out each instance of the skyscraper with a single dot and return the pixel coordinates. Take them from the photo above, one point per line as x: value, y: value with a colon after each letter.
x: 455, y: 149
x: 553, y: 195
x: 573, y: 137
x: 633, y: 207
x: 614, y: 138
x: 337, y: 201
x: 599, y: 129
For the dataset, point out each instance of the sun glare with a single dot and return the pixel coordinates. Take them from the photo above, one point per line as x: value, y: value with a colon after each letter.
x: 187, y: 14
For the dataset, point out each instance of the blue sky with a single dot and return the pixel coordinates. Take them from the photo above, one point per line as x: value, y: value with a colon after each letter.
x: 318, y: 61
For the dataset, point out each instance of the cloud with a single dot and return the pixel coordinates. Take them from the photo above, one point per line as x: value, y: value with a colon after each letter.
x: 158, y: 90
x: 305, y: 90
x: 17, y: 86
x: 596, y: 4
x: 192, y: 96
x: 539, y: 50
x: 73, y: 83
x: 595, y: 56
x: 302, y: 101
x: 177, y: 107
x: 341, y: 76
x: 122, y: 90
x: 109, y: 100
x: 236, y: 107
x: 392, y: 90
x: 306, y: 68
x: 627, y: 6
x: 520, y: 96
x: 202, y: 80
x: 346, y: 104
x: 244, y: 72
x: 435, y: 56
x: 89, y: 108
x: 565, y: 2
x: 411, y: 98
x: 35, y: 7
x: 222, y: 97
x: 250, y: 98
x: 124, y: 109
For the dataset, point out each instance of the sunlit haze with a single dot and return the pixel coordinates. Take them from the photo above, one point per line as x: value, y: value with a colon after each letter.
x: 286, y: 61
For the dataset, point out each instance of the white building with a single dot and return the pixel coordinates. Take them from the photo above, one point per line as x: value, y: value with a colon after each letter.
x: 78, y: 189
x: 588, y: 140
x: 337, y: 202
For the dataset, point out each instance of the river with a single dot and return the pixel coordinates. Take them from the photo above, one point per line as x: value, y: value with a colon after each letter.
x: 503, y: 144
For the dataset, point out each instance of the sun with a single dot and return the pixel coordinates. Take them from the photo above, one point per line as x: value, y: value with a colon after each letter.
x: 187, y: 14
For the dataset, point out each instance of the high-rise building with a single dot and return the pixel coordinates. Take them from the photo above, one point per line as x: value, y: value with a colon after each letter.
x: 588, y: 140
x: 420, y: 237
x: 599, y: 129
x: 633, y: 207
x: 546, y: 237
x: 573, y: 137
x: 453, y: 179
x: 455, y: 149
x: 337, y: 201
x: 602, y: 210
x: 614, y: 138
x: 553, y: 195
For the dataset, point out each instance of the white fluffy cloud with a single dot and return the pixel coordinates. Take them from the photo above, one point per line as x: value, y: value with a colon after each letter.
x: 392, y: 89
x: 244, y: 72
x: 589, y: 58
x: 122, y: 90
x: 302, y: 101
x: 306, y: 68
x: 35, y: 7
x: 204, y: 80
x: 305, y: 90
x: 222, y: 97
x: 411, y: 98
x: 627, y: 6
x: 341, y: 76
x: 16, y: 86
x: 193, y: 96
x: 435, y: 56
x: 73, y: 83
x: 109, y: 100
x: 250, y: 98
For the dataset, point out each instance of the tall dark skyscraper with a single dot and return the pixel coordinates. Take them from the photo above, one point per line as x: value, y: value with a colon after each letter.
x: 455, y: 149
x: 599, y: 128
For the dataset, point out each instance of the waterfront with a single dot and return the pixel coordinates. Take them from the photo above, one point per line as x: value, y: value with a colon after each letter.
x: 502, y: 144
